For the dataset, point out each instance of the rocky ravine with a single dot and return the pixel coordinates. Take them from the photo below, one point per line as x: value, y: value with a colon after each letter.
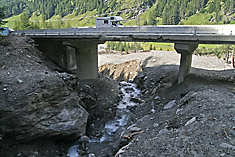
x: 41, y: 106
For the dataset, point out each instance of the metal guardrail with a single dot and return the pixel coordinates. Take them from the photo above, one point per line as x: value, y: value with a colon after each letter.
x: 217, y: 29
x: 120, y: 34
x: 219, y: 34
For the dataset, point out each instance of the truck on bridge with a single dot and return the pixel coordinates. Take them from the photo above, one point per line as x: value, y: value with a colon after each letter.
x: 112, y: 21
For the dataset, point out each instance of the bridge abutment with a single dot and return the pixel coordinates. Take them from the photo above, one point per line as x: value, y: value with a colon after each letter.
x: 54, y: 50
x: 186, y: 51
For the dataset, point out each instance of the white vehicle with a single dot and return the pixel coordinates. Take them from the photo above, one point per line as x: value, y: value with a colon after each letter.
x: 112, y: 21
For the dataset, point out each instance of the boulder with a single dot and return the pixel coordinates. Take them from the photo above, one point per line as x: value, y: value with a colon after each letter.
x: 35, y: 101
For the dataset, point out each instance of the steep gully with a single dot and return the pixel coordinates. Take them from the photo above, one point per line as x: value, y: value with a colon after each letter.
x: 130, y: 99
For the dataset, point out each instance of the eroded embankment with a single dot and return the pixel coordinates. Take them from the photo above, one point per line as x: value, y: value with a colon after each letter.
x: 125, y: 71
x: 195, y: 118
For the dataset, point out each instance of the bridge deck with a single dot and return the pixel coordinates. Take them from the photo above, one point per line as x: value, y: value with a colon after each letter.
x: 201, y: 34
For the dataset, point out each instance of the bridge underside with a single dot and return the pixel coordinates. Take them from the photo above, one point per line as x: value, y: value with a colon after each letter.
x: 82, y: 56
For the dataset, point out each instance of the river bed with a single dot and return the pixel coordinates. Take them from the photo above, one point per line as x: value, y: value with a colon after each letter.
x: 130, y: 93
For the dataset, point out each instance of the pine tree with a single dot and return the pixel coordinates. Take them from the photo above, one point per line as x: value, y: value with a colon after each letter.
x: 35, y: 25
x: 2, y: 15
x: 165, y: 16
x: 151, y: 17
x: 43, y: 23
x: 16, y: 25
x: 24, y: 23
x: 217, y: 10
x: 151, y: 47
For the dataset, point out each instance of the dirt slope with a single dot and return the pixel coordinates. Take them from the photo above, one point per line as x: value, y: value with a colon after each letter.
x: 195, y: 118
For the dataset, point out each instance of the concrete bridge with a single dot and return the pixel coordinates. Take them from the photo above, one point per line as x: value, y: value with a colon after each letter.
x: 78, y: 46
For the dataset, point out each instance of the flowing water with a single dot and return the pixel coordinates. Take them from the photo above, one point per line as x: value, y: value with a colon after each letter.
x: 123, y: 115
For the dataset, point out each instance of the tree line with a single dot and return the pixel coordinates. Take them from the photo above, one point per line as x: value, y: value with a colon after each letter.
x: 127, y: 46
x: 2, y: 15
x: 225, y: 52
x: 49, y: 8
x: 172, y: 11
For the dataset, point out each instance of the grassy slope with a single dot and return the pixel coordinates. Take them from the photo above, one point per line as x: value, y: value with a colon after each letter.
x: 201, y: 19
x: 11, y: 21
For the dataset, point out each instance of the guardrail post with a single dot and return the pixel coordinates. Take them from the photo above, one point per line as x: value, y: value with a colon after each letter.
x: 186, y: 51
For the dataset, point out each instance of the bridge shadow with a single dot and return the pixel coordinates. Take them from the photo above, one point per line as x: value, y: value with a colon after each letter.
x: 144, y: 64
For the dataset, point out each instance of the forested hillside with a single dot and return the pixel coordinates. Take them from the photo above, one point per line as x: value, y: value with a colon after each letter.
x: 74, y: 13
x: 50, y: 8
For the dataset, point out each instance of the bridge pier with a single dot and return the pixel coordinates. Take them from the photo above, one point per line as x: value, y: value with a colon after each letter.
x: 186, y: 51
x: 81, y: 56
x: 86, y: 58
x: 68, y: 59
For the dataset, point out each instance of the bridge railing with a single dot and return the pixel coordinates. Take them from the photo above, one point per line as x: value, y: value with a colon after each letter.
x: 143, y: 30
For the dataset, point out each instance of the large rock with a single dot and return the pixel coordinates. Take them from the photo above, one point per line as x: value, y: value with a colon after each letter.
x: 35, y: 101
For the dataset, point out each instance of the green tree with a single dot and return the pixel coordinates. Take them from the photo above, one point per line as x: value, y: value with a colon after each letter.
x: 61, y: 23
x: 2, y: 15
x: 16, y: 25
x: 151, y: 47
x: 151, y: 17
x: 24, y: 22
x: 35, y: 25
x: 165, y: 17
x: 43, y: 22
x: 217, y: 10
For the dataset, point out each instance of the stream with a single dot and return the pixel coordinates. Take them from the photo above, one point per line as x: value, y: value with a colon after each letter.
x: 123, y: 114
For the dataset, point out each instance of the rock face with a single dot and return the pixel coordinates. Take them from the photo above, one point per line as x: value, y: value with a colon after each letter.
x: 35, y: 100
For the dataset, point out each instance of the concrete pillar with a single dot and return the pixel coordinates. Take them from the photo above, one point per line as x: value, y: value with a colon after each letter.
x: 86, y: 58
x: 186, y: 51
x: 69, y: 58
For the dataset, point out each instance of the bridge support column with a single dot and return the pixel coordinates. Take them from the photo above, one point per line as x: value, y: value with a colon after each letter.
x: 69, y: 58
x: 86, y: 58
x: 186, y: 51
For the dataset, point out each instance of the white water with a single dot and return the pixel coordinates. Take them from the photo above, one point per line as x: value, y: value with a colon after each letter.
x: 129, y: 91
x: 123, y: 115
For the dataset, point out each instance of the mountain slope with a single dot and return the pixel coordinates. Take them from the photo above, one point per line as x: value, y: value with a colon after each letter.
x: 77, y: 13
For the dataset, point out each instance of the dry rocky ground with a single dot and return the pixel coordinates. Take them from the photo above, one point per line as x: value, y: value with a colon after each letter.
x: 195, y: 118
x: 43, y: 109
